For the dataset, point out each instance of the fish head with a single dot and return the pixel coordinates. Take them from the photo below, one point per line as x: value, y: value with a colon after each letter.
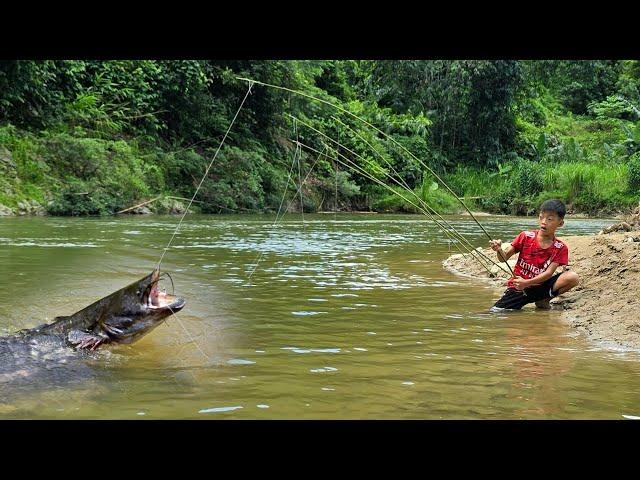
x: 138, y: 309
x: 124, y: 316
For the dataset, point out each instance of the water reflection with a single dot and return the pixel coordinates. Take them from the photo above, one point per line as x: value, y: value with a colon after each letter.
x: 541, y: 355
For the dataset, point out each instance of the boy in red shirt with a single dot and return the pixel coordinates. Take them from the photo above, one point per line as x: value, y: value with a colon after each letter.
x: 541, y: 253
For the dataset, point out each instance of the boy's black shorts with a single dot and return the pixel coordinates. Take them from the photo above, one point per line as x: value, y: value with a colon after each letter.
x: 516, y: 299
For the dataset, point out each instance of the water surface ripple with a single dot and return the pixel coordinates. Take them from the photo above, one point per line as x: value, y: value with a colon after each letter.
x: 336, y: 316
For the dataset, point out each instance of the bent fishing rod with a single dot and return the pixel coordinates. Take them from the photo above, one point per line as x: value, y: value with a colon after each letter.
x: 338, y: 107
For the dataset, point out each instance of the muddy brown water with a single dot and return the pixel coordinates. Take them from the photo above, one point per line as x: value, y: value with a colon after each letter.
x: 326, y: 317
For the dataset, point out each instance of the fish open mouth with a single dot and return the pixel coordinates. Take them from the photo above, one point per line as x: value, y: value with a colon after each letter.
x: 159, y: 300
x: 163, y: 301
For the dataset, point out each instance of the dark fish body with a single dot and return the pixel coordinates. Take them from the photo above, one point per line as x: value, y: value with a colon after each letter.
x: 50, y: 352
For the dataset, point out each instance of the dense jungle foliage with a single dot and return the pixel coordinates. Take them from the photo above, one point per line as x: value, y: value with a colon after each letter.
x: 83, y: 137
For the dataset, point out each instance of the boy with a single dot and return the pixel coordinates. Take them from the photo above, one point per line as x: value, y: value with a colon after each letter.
x: 541, y: 253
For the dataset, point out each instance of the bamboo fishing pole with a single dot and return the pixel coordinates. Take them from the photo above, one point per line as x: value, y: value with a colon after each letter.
x: 363, y: 172
x: 338, y: 107
x: 459, y: 237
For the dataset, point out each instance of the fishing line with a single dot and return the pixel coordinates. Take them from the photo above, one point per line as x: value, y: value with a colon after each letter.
x: 295, y: 128
x: 300, y: 183
x: 205, y: 174
x: 386, y: 136
x: 363, y: 172
x: 191, y: 201
x: 335, y: 198
x: 459, y: 237
x: 191, y: 339
x: 297, y: 152
x: 284, y: 194
x: 309, y: 173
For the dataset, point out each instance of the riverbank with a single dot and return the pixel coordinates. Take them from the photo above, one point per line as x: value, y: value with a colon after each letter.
x: 606, y: 305
x: 68, y: 174
x: 170, y: 205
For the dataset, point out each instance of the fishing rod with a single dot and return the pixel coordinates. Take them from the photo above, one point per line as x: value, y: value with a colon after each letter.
x: 338, y: 107
x: 459, y: 237
x: 363, y: 172
x: 404, y: 184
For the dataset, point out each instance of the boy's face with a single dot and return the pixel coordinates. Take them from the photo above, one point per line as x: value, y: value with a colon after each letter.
x: 549, y: 222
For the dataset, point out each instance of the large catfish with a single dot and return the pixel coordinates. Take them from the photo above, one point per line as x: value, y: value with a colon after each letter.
x: 121, y: 317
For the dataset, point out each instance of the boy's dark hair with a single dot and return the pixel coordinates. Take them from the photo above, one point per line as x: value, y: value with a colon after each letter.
x: 555, y: 206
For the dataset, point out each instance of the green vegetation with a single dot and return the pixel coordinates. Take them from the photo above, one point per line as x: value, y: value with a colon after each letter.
x: 96, y: 137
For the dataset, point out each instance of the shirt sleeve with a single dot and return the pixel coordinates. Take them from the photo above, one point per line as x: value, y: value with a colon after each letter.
x: 562, y: 256
x: 518, y: 242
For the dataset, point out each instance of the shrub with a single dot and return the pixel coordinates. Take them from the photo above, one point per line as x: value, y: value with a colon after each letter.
x: 79, y: 198
x: 634, y: 173
x: 435, y: 197
x: 527, y: 179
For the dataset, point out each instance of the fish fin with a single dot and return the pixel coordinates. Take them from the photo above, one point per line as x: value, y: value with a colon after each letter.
x: 82, y: 339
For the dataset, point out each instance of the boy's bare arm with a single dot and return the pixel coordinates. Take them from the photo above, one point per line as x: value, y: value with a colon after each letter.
x: 544, y: 276
x: 521, y: 283
x: 503, y: 255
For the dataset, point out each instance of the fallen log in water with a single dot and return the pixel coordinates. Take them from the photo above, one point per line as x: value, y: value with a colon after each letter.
x: 139, y: 205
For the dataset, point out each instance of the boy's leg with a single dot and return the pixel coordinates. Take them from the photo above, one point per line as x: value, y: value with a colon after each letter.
x: 555, y: 286
x: 542, y: 294
x: 565, y: 282
x: 511, y: 300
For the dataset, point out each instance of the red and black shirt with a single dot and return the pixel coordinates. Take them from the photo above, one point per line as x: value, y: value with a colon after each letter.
x: 533, y: 259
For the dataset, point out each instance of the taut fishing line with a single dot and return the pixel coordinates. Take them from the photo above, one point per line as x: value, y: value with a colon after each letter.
x: 191, y: 201
x: 297, y: 92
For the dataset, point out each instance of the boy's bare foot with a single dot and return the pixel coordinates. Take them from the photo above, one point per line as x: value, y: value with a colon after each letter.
x: 544, y: 304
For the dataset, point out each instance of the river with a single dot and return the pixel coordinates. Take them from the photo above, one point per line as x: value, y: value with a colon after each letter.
x: 347, y: 316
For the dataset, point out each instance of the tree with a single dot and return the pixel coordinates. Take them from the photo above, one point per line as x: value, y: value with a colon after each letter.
x: 469, y: 102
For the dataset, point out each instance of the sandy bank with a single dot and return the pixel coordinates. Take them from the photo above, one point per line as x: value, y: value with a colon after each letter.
x: 606, y: 304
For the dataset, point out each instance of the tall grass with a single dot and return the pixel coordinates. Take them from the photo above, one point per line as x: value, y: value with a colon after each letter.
x: 429, y: 191
x: 589, y: 187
